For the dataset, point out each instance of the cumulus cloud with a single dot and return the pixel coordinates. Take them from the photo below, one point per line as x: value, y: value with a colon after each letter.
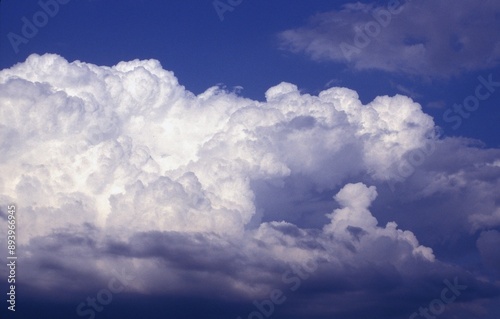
x: 123, y: 168
x: 436, y: 38
x: 128, y: 147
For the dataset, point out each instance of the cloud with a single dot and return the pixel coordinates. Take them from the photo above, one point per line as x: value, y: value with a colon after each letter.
x: 128, y: 147
x: 123, y: 169
x: 426, y: 37
x: 461, y: 178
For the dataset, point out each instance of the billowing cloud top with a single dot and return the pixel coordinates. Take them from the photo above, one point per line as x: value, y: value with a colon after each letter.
x: 122, y: 167
x: 127, y: 147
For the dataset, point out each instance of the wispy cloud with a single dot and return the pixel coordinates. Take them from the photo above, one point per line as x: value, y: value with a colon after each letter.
x: 429, y: 38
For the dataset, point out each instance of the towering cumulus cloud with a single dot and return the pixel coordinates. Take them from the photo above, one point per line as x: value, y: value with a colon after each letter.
x: 127, y: 147
x: 122, y: 167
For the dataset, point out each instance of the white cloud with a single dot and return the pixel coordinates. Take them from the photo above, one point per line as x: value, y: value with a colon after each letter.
x: 133, y: 149
x: 164, y: 177
x: 354, y: 223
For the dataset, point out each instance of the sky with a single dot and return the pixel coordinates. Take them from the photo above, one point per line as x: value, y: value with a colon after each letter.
x: 250, y: 159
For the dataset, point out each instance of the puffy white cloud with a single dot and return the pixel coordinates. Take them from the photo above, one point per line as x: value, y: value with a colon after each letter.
x: 127, y: 147
x: 354, y: 223
x: 417, y: 37
x: 355, y: 198
x: 127, y: 168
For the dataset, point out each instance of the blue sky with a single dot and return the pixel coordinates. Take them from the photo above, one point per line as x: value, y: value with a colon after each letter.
x: 211, y: 154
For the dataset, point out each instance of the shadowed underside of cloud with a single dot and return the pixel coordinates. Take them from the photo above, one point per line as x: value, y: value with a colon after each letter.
x: 121, y: 169
x: 436, y: 38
